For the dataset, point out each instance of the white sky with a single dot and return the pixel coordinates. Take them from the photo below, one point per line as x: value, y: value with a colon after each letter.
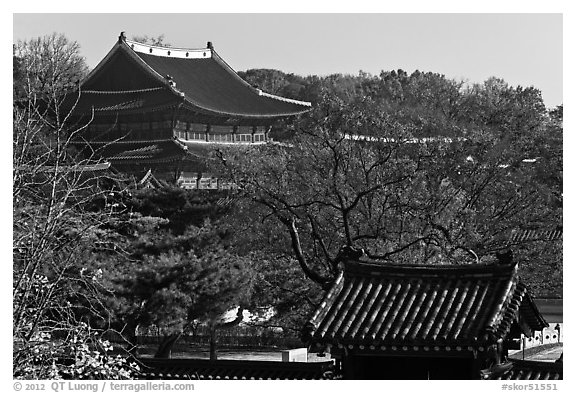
x: 522, y: 49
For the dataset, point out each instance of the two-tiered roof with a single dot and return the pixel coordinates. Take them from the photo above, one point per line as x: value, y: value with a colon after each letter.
x: 150, y: 107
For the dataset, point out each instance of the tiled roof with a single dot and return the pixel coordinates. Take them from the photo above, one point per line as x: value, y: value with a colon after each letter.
x: 145, y: 152
x: 203, y: 81
x: 211, y: 85
x: 525, y: 370
x: 149, y: 179
x: 421, y: 307
x: 526, y: 235
x: 233, y: 369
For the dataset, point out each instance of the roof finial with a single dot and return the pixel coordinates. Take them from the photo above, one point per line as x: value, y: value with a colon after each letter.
x: 122, y: 37
x: 209, y: 45
x: 170, y: 80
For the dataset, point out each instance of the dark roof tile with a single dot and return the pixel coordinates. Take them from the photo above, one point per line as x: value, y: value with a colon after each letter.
x: 142, y: 151
x: 416, y: 305
x: 211, y: 85
x: 539, y: 234
x: 144, y: 76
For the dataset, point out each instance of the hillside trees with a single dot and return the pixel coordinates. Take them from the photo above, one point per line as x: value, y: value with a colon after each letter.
x: 542, y: 260
x: 358, y: 180
x: 271, y: 81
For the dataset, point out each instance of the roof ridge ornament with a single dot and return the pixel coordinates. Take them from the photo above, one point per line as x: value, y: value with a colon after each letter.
x: 122, y: 37
x: 171, y: 81
x: 173, y: 52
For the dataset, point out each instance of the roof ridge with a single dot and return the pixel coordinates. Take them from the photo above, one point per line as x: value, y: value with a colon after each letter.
x: 363, y: 265
x: 168, y: 51
x: 280, y: 98
x: 497, y: 319
x: 227, y: 66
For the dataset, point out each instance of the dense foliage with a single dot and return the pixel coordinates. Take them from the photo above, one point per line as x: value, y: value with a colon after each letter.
x: 488, y: 162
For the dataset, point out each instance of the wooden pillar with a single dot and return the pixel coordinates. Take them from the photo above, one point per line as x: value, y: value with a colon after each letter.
x: 267, y: 133
x: 208, y: 128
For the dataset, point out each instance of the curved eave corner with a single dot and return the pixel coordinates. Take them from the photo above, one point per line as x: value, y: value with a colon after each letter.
x: 306, y: 104
x: 231, y: 70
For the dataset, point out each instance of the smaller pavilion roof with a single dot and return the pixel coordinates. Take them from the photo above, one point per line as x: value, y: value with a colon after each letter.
x: 149, y: 181
x: 422, y: 307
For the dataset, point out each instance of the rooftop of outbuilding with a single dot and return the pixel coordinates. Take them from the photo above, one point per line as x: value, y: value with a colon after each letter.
x: 414, y: 307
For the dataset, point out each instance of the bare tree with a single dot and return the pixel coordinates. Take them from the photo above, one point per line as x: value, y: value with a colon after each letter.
x: 156, y: 41
x: 55, y: 295
x: 48, y: 65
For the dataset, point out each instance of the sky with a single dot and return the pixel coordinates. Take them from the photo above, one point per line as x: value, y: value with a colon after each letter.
x: 522, y: 49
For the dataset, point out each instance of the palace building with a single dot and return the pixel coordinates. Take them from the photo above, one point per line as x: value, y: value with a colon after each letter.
x: 159, y: 109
